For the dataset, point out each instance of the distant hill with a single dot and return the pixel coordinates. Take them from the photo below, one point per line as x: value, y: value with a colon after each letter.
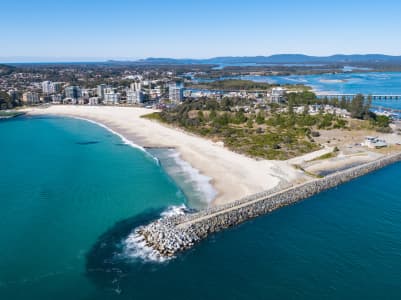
x: 281, y: 59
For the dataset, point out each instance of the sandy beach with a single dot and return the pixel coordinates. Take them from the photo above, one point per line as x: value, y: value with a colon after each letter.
x: 233, y: 175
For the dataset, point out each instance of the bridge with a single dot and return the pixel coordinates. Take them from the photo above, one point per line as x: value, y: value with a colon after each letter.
x: 352, y: 96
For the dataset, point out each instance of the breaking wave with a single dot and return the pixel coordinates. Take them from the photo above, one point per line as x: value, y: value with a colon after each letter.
x: 134, y: 246
x: 201, y: 183
x: 123, y: 138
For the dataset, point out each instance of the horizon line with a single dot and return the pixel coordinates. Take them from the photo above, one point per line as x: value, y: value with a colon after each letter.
x: 83, y: 59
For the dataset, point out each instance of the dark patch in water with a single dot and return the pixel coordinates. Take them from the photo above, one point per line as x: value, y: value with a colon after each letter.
x: 105, y: 266
x: 121, y: 277
x: 121, y: 144
x: 87, y: 143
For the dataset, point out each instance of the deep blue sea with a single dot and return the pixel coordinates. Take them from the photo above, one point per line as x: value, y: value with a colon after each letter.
x: 72, y: 192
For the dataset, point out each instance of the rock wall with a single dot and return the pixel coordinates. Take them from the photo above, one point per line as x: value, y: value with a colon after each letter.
x: 174, y: 234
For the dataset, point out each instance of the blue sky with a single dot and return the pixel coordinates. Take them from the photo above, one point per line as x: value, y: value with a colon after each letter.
x: 88, y: 29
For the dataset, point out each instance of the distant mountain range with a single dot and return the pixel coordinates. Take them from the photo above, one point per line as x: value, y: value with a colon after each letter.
x: 280, y: 59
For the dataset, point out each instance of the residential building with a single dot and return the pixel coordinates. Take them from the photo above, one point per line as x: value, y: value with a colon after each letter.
x: 277, y: 95
x: 93, y: 101
x: 176, y: 92
x: 56, y: 99
x: 111, y: 97
x: 30, y: 98
x: 73, y: 92
x: 100, y: 91
x: 134, y: 97
x: 49, y: 87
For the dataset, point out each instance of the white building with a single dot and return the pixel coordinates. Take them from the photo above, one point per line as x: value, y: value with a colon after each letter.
x: 74, y: 93
x: 176, y: 92
x: 30, y: 98
x: 277, y: 95
x: 49, y: 87
x: 111, y: 97
x: 93, y: 101
x: 134, y: 97
x: 136, y: 86
x: 57, y: 99
x: 100, y: 91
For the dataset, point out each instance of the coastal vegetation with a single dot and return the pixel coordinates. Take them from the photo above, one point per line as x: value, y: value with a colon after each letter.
x: 235, y: 84
x: 6, y: 102
x: 358, y: 107
x: 278, y: 131
x: 274, y: 134
x: 242, y: 85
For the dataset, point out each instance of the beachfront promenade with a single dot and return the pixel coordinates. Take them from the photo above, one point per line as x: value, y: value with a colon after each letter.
x: 168, y: 236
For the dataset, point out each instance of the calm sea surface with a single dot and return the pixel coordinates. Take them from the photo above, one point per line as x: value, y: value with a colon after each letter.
x: 386, y: 83
x: 70, y: 194
x: 375, y: 83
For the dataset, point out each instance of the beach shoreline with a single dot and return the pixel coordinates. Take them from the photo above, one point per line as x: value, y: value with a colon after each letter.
x: 232, y: 175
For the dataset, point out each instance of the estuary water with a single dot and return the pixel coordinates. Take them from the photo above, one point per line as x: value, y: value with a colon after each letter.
x: 378, y: 83
x: 71, y: 193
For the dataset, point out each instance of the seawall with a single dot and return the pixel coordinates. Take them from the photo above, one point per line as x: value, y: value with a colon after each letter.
x: 168, y: 236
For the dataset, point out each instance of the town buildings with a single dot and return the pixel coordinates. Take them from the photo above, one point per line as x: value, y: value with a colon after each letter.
x: 73, y: 93
x: 30, y: 98
x: 176, y: 92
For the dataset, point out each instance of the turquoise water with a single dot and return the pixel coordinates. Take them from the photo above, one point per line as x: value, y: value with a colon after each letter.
x: 63, y: 183
x: 70, y: 194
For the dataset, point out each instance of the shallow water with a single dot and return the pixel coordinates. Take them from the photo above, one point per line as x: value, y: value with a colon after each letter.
x: 383, y: 83
x: 68, y: 204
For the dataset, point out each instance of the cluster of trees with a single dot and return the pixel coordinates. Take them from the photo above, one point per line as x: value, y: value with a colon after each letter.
x: 6, y: 102
x: 270, y: 135
x: 359, y: 106
x: 237, y: 84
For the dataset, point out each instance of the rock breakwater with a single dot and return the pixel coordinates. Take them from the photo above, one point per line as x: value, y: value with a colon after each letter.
x: 170, y: 235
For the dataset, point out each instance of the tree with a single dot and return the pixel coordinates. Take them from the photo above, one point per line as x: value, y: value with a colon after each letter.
x: 359, y: 108
x: 343, y: 103
x: 260, y: 118
x: 212, y: 115
x: 239, y: 117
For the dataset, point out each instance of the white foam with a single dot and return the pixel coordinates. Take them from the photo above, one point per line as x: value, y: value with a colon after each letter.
x: 135, y: 248
x: 123, y: 138
x: 174, y: 211
x: 200, y: 182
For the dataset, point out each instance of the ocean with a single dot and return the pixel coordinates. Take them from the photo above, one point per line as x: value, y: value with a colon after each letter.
x: 71, y: 192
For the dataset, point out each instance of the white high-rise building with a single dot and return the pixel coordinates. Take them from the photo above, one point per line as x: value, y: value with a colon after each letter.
x: 49, y: 87
x: 134, y: 97
x: 100, y: 91
x: 176, y: 92
x: 73, y: 92
x: 30, y: 97
x: 136, y: 86
x: 111, y: 97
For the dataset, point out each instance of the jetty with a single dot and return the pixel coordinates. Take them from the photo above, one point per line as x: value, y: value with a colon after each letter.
x: 349, y: 97
x: 171, y: 235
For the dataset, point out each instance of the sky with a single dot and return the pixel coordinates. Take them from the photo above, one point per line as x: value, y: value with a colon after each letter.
x: 89, y: 30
